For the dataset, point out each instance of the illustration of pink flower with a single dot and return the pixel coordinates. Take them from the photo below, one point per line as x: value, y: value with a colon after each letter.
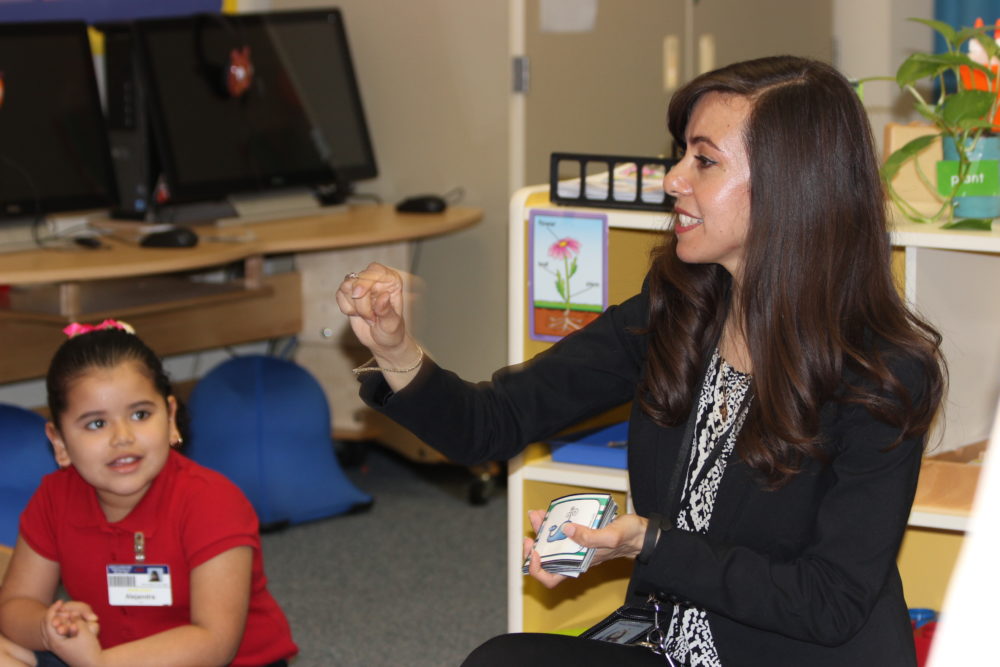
x: 564, y: 248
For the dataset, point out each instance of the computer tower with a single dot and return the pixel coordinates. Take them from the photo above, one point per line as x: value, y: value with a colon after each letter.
x: 132, y: 147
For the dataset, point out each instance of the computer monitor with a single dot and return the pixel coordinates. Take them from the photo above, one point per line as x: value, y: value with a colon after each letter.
x: 314, y: 46
x: 253, y: 103
x: 54, y: 153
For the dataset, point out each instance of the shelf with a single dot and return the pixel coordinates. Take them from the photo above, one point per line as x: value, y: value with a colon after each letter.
x: 904, y: 232
x: 938, y: 520
x: 616, y: 479
x: 122, y: 298
x: 916, y: 235
x: 547, y: 470
x: 229, y: 317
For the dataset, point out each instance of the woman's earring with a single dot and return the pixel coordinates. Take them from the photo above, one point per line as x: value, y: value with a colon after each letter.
x: 177, y: 443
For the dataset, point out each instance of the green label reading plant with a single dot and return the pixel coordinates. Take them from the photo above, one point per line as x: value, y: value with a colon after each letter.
x: 962, y: 115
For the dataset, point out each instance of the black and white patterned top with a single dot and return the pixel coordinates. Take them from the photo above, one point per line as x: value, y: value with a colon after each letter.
x: 722, y: 409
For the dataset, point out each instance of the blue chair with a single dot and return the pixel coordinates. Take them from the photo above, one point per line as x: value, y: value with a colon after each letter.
x: 27, y: 457
x: 264, y: 422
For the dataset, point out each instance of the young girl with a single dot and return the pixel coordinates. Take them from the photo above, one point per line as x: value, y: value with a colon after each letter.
x: 160, y: 556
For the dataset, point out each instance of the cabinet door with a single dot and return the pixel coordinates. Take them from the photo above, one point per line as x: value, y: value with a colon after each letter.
x: 605, y: 89
x: 599, y: 90
x: 728, y: 31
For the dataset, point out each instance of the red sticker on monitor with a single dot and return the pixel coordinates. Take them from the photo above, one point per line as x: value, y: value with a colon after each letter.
x: 239, y: 74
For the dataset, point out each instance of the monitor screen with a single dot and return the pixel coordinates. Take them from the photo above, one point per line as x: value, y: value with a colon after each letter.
x: 314, y: 48
x: 252, y: 102
x: 54, y: 153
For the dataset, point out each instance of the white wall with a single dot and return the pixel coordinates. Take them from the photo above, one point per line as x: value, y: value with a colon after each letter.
x: 872, y: 37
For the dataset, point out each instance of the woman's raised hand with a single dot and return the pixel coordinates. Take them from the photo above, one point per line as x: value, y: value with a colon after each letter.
x: 373, y: 299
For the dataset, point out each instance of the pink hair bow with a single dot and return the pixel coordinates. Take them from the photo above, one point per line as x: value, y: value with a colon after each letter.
x: 75, y: 329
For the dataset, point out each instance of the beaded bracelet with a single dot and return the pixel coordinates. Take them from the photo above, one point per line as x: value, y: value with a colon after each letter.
x: 365, y: 368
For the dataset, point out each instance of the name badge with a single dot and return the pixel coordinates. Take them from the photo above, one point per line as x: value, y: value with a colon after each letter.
x: 139, y: 586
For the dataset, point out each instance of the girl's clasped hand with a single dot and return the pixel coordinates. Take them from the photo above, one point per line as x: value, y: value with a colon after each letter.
x: 71, y: 631
x: 66, y: 619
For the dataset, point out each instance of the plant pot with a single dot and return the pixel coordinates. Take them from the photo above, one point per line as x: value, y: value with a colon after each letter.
x: 979, y: 196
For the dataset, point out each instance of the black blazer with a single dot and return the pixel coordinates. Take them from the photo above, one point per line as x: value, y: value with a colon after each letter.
x: 801, y: 576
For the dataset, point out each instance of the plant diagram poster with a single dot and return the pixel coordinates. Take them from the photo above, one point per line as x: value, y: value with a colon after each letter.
x: 568, y: 271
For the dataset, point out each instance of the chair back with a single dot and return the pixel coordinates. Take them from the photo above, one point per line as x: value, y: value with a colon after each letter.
x: 27, y: 457
x: 264, y: 422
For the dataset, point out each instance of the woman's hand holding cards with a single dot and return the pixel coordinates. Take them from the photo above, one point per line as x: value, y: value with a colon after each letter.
x: 622, y: 538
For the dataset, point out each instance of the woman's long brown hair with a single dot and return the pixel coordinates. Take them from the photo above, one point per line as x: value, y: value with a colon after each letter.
x: 817, y: 294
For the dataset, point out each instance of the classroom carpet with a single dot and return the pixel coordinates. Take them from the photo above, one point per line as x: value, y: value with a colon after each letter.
x: 417, y: 580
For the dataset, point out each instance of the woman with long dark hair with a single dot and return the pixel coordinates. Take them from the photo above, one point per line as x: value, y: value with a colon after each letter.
x: 781, y: 391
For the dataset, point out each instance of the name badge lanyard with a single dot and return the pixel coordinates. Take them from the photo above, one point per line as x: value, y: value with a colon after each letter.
x: 138, y: 584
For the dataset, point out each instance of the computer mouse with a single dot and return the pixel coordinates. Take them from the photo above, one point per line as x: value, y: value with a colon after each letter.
x: 177, y: 237
x: 422, y: 204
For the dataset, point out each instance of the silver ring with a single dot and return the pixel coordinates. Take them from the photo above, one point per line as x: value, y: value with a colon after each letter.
x: 353, y: 275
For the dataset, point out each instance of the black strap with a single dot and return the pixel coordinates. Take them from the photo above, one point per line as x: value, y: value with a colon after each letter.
x: 675, y: 490
x: 649, y: 540
x: 673, y: 494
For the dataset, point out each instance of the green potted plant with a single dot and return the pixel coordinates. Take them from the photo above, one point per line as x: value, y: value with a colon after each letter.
x: 963, y: 120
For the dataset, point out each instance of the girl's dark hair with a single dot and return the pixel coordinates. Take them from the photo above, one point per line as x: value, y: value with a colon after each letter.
x: 104, y: 348
x: 817, y: 293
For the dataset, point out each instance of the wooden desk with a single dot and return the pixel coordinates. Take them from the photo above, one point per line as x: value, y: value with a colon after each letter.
x: 148, y: 286
x: 357, y: 226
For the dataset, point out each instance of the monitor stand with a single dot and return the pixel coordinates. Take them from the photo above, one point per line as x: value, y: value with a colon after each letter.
x: 274, y: 205
x: 245, y: 208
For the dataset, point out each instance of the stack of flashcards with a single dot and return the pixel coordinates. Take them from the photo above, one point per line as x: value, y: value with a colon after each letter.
x: 560, y: 554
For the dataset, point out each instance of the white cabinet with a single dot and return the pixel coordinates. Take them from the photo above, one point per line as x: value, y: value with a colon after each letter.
x: 952, y: 279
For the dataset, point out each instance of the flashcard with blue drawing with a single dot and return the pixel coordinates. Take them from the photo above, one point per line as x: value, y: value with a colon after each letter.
x: 556, y: 533
x: 557, y: 551
x: 574, y: 509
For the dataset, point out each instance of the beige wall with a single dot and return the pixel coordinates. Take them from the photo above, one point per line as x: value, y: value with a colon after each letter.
x: 872, y: 38
x: 434, y: 76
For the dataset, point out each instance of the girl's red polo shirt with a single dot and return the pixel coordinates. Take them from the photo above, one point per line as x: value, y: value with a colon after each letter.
x: 189, y: 515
